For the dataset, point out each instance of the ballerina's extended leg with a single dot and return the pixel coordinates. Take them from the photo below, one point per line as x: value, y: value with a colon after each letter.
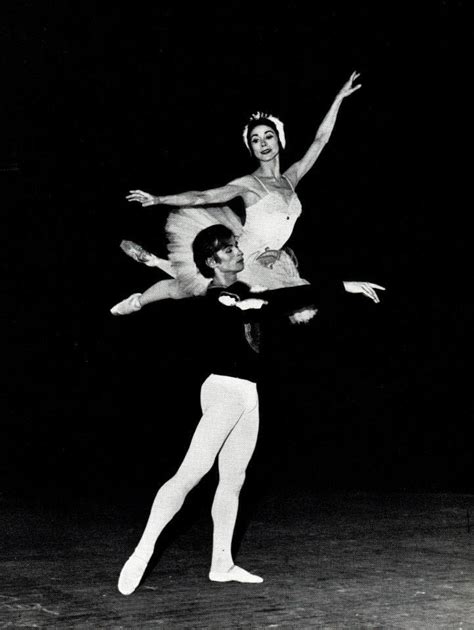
x: 162, y: 290
x: 140, y: 254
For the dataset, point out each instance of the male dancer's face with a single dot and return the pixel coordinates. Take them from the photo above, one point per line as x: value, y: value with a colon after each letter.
x: 229, y: 259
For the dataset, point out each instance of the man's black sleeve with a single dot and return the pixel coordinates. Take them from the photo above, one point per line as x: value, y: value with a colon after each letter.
x: 291, y: 299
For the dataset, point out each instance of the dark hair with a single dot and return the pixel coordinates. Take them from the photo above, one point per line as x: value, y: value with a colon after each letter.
x: 256, y: 122
x: 207, y: 243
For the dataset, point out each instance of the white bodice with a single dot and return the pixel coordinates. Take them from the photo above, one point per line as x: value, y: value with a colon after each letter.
x: 269, y: 223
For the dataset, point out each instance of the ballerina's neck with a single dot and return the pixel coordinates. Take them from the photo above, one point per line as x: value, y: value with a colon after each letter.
x: 273, y: 176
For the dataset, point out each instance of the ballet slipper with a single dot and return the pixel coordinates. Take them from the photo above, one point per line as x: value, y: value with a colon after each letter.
x: 127, y: 306
x: 235, y: 574
x: 131, y: 574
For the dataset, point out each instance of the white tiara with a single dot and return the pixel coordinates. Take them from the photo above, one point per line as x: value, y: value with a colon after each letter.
x: 276, y: 121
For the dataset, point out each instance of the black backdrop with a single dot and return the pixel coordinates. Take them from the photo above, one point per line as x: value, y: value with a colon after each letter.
x: 155, y: 97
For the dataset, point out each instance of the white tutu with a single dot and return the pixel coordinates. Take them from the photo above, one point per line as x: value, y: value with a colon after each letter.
x: 273, y: 269
x: 267, y: 268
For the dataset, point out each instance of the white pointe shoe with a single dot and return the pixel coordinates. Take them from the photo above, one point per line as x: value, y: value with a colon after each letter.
x: 127, y: 306
x: 131, y: 574
x: 235, y: 574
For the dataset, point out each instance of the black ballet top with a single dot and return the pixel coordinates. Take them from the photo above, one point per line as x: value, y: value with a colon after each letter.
x: 233, y: 335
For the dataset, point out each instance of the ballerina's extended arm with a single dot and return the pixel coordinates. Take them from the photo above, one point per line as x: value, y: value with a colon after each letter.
x: 297, y: 170
x: 192, y: 198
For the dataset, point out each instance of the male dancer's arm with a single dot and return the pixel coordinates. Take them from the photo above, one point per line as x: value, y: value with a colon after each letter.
x: 277, y: 302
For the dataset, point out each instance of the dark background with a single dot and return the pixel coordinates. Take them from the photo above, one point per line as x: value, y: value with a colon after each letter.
x: 99, y: 101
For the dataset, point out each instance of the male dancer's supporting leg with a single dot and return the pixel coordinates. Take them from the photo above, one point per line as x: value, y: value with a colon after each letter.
x: 234, y: 458
x: 223, y: 406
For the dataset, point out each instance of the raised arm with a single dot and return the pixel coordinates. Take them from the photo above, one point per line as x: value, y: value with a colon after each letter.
x: 233, y: 189
x: 300, y: 168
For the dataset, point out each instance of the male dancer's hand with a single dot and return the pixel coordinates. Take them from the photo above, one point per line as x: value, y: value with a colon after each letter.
x: 244, y: 305
x: 303, y: 316
x: 251, y: 303
x: 366, y: 288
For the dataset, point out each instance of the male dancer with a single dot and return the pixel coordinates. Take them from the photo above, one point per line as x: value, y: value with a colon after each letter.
x: 229, y: 425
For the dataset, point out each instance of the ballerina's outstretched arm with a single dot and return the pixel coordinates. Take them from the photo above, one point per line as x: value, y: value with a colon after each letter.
x: 297, y: 170
x: 193, y: 198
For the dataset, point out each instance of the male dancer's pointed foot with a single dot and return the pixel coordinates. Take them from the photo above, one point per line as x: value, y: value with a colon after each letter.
x: 131, y: 574
x: 139, y: 254
x: 235, y: 574
x: 127, y: 306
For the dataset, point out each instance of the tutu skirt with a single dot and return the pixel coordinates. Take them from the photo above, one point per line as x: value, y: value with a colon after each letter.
x: 272, y: 269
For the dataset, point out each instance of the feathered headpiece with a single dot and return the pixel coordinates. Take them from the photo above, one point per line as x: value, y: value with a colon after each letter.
x: 262, y: 116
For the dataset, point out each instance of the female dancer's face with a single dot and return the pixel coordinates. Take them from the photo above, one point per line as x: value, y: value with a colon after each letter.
x: 264, y: 143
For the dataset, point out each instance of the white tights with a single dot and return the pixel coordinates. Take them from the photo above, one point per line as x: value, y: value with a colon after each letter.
x: 228, y: 429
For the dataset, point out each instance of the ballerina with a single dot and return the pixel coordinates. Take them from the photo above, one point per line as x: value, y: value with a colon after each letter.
x: 272, y: 209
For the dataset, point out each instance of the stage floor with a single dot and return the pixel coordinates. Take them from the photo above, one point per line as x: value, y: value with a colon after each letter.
x: 357, y: 560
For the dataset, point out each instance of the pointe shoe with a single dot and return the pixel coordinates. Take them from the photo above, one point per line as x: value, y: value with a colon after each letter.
x: 127, y: 306
x: 131, y: 574
x: 139, y: 254
x: 235, y: 574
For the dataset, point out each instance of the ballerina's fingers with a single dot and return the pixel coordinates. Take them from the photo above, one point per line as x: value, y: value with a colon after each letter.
x: 349, y: 88
x: 138, y: 195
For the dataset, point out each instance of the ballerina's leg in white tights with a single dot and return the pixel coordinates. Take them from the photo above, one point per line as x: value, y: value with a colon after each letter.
x: 228, y: 428
x: 161, y: 290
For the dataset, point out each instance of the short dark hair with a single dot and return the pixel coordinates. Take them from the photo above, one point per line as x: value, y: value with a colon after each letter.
x: 207, y: 243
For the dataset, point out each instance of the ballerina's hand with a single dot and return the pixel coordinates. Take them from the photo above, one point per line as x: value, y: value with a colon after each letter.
x: 142, y: 197
x: 349, y: 86
x: 366, y: 288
